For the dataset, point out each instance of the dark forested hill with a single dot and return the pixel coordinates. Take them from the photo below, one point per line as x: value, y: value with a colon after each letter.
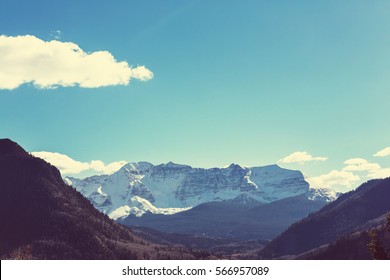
x: 357, y: 245
x: 43, y: 218
x: 342, y: 217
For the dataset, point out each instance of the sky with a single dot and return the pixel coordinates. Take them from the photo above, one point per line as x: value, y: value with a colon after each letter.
x: 91, y: 85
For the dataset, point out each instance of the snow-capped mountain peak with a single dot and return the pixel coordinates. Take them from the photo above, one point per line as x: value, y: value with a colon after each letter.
x: 168, y: 188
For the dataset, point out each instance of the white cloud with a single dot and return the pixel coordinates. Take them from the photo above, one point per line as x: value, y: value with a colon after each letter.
x: 64, y: 163
x: 110, y: 168
x: 300, y: 157
x: 379, y: 174
x: 346, y: 179
x: 355, y: 161
x: 383, y: 153
x: 360, y: 164
x: 374, y: 170
x: 68, y: 165
x: 28, y: 59
x: 337, y: 180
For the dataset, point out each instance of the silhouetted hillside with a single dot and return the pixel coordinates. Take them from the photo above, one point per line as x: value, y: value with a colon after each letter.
x: 43, y: 218
x: 335, y: 220
x: 355, y: 245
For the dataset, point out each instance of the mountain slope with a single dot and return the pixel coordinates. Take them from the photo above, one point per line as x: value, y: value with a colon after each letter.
x: 354, y: 246
x: 43, y: 218
x: 343, y: 216
x: 241, y: 220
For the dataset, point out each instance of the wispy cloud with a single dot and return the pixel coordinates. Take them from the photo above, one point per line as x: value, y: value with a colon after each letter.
x: 67, y: 165
x: 383, y: 153
x: 301, y: 158
x: 56, y: 34
x: 49, y: 64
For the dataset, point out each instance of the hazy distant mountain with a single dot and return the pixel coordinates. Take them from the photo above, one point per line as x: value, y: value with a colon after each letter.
x: 348, y: 214
x: 43, y: 218
x: 139, y: 188
x: 235, y: 219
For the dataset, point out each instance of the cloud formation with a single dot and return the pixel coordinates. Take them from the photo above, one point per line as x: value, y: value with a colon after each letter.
x: 337, y: 180
x: 347, y: 178
x: 374, y: 170
x: 360, y: 164
x: 67, y: 165
x: 379, y: 174
x: 28, y: 59
x: 301, y: 158
x: 383, y: 153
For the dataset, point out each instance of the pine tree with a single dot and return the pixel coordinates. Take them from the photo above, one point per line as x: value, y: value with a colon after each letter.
x: 376, y: 247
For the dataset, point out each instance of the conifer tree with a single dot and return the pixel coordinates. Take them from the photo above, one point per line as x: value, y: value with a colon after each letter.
x: 376, y: 247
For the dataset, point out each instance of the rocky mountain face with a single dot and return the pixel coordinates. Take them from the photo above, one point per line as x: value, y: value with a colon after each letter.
x: 43, y: 218
x: 139, y: 188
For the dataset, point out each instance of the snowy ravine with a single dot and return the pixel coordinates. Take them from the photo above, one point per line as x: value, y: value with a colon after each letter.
x: 169, y: 188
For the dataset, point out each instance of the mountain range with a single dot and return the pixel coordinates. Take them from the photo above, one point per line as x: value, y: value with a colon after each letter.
x: 139, y: 188
x: 258, y: 213
x: 235, y: 202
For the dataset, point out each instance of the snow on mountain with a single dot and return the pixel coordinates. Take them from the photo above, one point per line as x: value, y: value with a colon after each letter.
x: 322, y: 194
x: 169, y: 188
x: 138, y: 206
x: 245, y: 199
x: 275, y: 183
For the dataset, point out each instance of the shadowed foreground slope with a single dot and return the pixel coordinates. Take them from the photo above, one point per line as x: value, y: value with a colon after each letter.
x: 43, y: 218
x: 344, y: 216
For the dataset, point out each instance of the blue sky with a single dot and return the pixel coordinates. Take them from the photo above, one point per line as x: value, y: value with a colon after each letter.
x: 249, y: 82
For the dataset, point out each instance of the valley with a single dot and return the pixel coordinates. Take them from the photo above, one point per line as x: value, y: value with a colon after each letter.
x: 173, y: 211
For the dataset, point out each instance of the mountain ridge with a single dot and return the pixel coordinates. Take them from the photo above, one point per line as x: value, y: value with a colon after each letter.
x: 171, y: 188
